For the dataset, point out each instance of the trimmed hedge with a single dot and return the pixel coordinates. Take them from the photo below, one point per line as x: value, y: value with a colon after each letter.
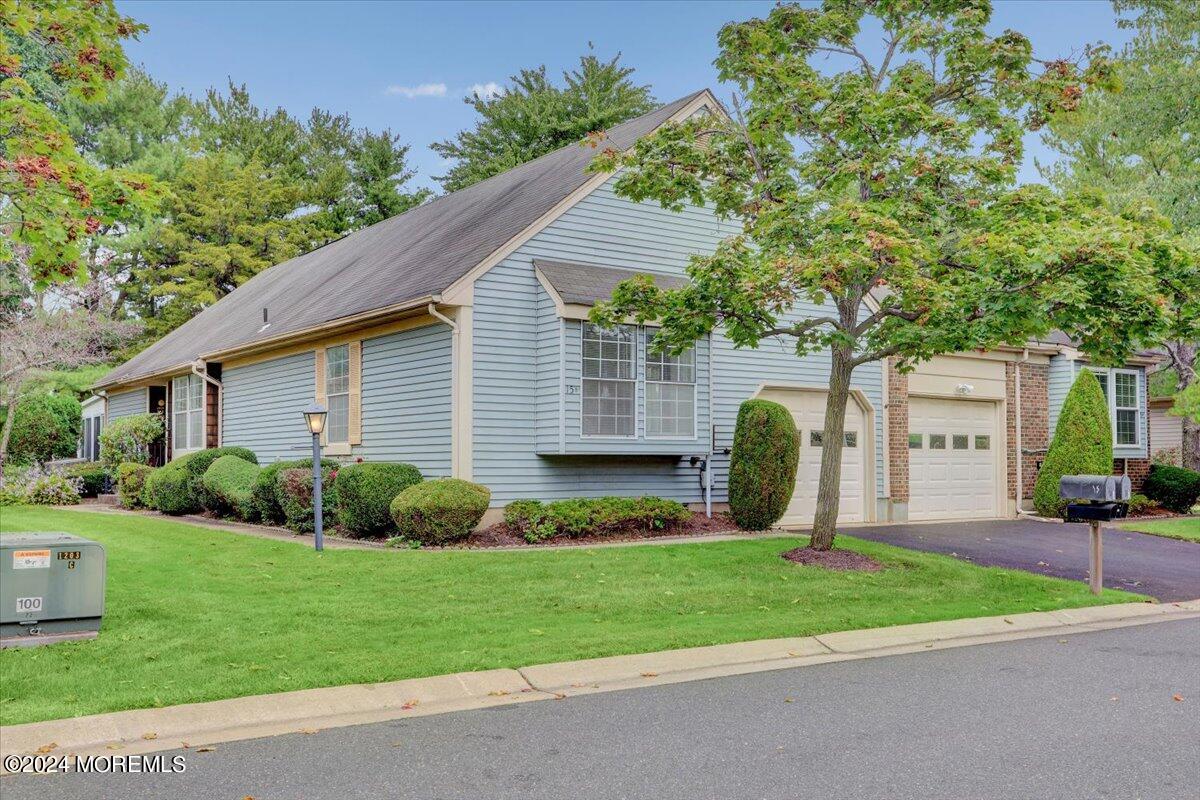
x: 45, y: 427
x: 167, y: 490
x: 1174, y: 488
x: 197, y: 464
x: 227, y: 485
x: 131, y: 483
x: 294, y: 488
x: 365, y: 493
x: 440, y: 511
x: 265, y: 491
x: 762, y: 466
x: 1082, y: 443
x: 593, y: 516
x: 92, y: 476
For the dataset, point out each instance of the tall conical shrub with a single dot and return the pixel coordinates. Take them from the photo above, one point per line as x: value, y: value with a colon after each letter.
x: 1082, y: 443
x: 762, y: 466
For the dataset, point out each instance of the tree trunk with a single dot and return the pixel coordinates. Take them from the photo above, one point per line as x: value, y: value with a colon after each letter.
x: 6, y: 433
x: 830, y: 481
x: 1183, y: 359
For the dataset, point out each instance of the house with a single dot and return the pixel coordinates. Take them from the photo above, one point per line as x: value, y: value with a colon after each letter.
x: 1166, y: 431
x: 455, y: 337
x: 93, y: 422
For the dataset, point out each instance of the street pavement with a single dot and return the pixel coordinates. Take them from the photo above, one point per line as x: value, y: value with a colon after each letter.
x: 1109, y: 714
x: 1166, y: 569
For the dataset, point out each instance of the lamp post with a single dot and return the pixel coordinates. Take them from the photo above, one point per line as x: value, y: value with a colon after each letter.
x: 314, y: 417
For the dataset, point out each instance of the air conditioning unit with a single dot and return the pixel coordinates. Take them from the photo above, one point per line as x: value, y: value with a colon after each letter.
x: 51, y: 588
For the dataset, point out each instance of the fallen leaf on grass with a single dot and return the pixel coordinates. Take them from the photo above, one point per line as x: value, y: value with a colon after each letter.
x: 46, y: 748
x: 649, y: 674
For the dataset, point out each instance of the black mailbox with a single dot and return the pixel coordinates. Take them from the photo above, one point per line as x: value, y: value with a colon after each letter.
x: 1096, y: 498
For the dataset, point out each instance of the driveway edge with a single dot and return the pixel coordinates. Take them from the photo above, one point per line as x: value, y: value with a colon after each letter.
x: 308, y: 710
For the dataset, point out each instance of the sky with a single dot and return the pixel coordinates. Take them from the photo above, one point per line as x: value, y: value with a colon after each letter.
x: 407, y: 66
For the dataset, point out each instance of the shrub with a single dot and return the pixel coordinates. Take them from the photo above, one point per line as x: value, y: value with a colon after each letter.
x: 1140, y: 504
x: 365, y: 493
x: 227, y: 484
x: 131, y: 483
x: 264, y: 494
x: 294, y: 488
x: 1175, y: 488
x: 167, y: 489
x: 593, y: 516
x: 1082, y: 443
x: 762, y: 466
x: 52, y: 489
x: 93, y: 478
x: 1171, y: 456
x: 128, y: 439
x: 45, y: 427
x: 197, y: 464
x: 440, y: 511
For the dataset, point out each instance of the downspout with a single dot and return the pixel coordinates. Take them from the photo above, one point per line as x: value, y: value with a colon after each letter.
x: 1020, y: 449
x: 200, y: 368
x: 455, y: 444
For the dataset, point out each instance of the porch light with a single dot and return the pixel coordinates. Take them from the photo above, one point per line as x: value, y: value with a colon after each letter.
x: 314, y: 417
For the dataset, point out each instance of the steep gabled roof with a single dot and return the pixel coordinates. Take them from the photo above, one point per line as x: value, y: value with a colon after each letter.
x: 406, y: 258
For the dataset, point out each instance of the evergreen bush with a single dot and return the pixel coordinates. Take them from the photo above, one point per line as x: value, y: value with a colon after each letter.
x: 762, y: 466
x: 1082, y: 443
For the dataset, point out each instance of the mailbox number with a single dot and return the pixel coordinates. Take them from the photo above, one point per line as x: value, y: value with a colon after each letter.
x: 27, y: 604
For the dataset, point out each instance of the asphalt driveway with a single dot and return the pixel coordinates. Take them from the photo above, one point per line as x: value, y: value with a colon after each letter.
x: 1167, y: 569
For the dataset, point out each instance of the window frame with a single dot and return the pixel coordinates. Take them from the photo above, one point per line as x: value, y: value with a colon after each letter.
x: 634, y: 380
x: 346, y: 393
x: 187, y: 413
x: 644, y: 374
x: 1109, y: 389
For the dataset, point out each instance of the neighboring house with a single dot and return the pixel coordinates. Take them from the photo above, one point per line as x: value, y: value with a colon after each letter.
x: 454, y: 337
x: 93, y: 423
x: 1166, y: 431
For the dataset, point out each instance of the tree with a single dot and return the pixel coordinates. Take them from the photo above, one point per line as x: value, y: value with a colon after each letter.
x: 51, y: 198
x: 379, y: 170
x: 1082, y: 443
x: 884, y: 193
x: 1143, y: 143
x: 533, y: 117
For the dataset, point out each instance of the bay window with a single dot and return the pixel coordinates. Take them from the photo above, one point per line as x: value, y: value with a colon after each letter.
x: 670, y: 393
x: 187, y: 413
x: 609, y: 380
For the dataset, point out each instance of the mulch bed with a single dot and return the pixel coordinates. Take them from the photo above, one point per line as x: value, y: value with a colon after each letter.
x: 501, y: 535
x: 839, y: 560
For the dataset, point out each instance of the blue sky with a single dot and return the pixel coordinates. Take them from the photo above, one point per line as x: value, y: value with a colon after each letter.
x: 406, y: 66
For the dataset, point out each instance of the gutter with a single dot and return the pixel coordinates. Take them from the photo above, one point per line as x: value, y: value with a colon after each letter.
x: 200, y: 368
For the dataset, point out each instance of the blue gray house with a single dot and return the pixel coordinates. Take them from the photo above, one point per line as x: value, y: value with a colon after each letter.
x: 454, y: 337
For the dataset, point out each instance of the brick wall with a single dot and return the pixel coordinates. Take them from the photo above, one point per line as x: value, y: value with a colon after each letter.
x: 897, y: 432
x: 1139, y: 468
x: 210, y: 421
x: 1035, y: 423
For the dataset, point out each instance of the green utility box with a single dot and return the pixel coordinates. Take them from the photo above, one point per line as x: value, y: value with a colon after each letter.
x: 51, y: 588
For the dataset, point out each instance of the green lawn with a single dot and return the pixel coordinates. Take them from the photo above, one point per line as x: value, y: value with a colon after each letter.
x: 1186, y: 528
x: 198, y: 614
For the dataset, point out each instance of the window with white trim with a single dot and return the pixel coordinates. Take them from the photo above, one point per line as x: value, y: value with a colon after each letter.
x: 1124, y: 406
x: 337, y: 394
x: 187, y: 413
x: 609, y: 381
x: 670, y: 393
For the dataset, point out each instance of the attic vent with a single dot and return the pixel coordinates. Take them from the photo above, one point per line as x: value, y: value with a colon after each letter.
x: 265, y: 324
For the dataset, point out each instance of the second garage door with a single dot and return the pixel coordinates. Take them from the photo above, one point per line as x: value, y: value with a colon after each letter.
x: 952, y: 459
x: 808, y: 409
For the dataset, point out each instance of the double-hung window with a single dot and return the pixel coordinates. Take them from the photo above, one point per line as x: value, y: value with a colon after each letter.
x: 609, y: 380
x: 670, y: 393
x: 187, y: 413
x: 1121, y: 391
x: 337, y: 394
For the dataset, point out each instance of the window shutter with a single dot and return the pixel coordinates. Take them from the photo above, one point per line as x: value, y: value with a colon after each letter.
x: 355, y: 354
x: 319, y: 393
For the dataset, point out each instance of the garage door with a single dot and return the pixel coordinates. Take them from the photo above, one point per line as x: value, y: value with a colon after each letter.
x: 808, y: 409
x: 952, y: 458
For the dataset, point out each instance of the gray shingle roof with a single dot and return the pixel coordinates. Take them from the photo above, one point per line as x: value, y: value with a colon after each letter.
x: 408, y: 257
x: 587, y: 285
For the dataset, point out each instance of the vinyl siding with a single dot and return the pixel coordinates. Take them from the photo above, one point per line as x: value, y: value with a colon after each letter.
x: 1166, y: 430
x: 1062, y: 375
x: 263, y: 404
x: 516, y: 365
x: 126, y: 404
x: 406, y: 399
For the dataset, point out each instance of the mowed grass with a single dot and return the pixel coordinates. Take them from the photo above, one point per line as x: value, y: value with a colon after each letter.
x: 1185, y: 528
x: 196, y: 614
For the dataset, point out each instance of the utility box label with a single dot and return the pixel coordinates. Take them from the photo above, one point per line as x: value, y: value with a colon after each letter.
x: 29, y: 605
x: 31, y: 559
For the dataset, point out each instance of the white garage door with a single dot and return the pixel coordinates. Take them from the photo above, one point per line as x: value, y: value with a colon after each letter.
x: 808, y: 409
x: 952, y: 458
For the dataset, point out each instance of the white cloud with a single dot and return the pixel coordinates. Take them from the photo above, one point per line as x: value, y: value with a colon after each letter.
x: 421, y: 90
x: 486, y: 90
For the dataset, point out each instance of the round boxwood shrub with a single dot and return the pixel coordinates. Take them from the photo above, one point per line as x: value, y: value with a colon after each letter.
x: 762, y: 466
x: 294, y: 488
x: 1174, y: 488
x: 440, y: 511
x: 92, y: 476
x: 131, y: 483
x: 227, y: 485
x: 365, y: 493
x: 197, y: 464
x: 264, y: 494
x: 1082, y: 443
x: 168, y: 489
x: 45, y: 427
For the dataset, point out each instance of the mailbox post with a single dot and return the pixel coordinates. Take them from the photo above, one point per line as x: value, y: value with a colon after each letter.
x: 1095, y: 499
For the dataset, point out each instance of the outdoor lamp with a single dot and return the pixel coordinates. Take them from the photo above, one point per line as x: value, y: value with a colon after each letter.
x: 314, y: 417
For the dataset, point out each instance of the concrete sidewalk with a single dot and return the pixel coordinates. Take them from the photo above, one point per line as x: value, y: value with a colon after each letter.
x: 198, y: 724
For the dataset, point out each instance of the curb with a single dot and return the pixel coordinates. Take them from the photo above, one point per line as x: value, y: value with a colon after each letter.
x: 309, y: 710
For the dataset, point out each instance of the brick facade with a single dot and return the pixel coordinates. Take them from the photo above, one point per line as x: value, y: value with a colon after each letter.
x: 1035, y: 423
x: 897, y: 432
x: 1139, y: 468
x: 211, y: 430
